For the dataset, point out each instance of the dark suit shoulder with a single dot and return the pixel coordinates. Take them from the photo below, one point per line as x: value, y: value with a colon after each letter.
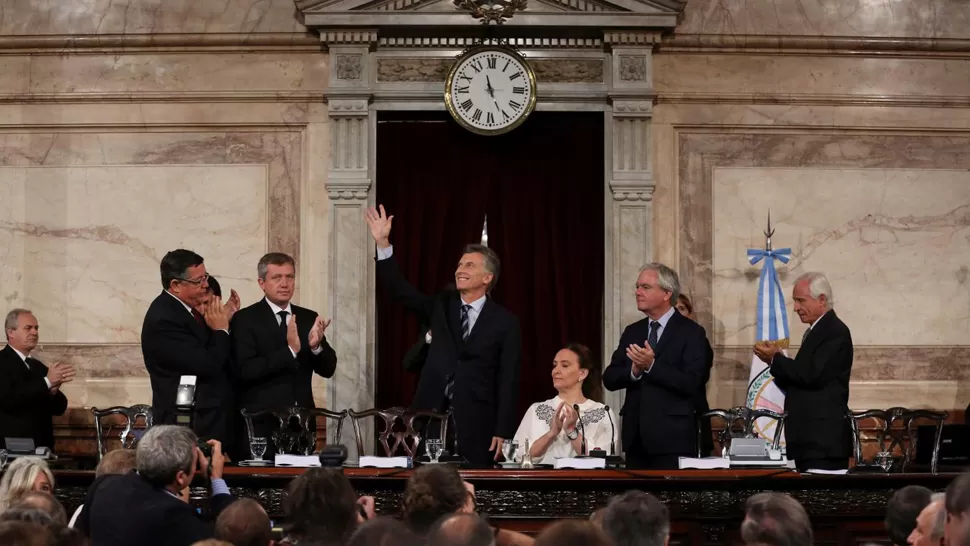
x: 303, y: 311
x: 251, y: 311
x: 833, y: 325
x: 165, y: 306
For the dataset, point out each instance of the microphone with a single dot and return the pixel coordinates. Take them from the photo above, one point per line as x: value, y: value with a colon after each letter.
x: 612, y: 431
x: 582, y: 428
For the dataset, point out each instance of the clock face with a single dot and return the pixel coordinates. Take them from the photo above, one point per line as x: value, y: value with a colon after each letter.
x: 490, y: 90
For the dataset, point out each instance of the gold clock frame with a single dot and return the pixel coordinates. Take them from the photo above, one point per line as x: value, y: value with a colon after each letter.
x: 450, y: 80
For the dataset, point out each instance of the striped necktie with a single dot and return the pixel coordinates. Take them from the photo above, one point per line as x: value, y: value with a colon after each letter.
x: 465, y: 323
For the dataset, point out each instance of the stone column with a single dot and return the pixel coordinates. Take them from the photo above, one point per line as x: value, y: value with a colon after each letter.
x: 629, y: 213
x: 351, y: 266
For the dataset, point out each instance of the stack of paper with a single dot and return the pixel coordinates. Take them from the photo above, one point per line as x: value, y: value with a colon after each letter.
x: 385, y: 462
x: 581, y: 463
x: 302, y: 461
x: 706, y: 463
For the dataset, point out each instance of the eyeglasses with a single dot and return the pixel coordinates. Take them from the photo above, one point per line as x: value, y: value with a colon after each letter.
x: 197, y: 282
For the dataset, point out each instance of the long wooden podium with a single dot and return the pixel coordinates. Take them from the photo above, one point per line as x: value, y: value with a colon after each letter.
x: 706, y: 506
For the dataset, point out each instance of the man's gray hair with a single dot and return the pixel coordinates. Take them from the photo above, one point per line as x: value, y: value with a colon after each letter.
x: 636, y: 518
x: 163, y: 451
x: 10, y: 323
x: 666, y: 278
x: 939, y: 522
x: 818, y: 284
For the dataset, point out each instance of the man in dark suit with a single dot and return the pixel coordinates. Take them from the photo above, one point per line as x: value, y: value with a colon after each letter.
x: 663, y: 362
x: 178, y: 340
x: 144, y: 507
x: 278, y: 347
x: 473, y: 361
x: 30, y: 393
x: 816, y: 381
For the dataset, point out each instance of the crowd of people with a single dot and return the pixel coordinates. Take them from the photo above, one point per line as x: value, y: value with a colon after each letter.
x: 140, y: 498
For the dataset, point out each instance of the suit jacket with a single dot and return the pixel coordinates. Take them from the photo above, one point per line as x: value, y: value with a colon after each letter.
x: 121, y: 510
x: 661, y: 408
x: 485, y: 367
x: 816, y: 385
x: 267, y: 375
x: 174, y: 344
x: 26, y: 404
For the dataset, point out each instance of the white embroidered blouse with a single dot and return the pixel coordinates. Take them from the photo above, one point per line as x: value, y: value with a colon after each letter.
x: 537, y: 419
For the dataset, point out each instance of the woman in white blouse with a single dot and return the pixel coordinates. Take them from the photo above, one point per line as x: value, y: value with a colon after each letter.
x: 552, y: 426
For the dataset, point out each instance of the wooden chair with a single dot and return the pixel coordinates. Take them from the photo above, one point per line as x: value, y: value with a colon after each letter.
x: 747, y: 418
x: 128, y: 435
x: 399, y: 431
x: 297, y: 433
x: 900, y: 442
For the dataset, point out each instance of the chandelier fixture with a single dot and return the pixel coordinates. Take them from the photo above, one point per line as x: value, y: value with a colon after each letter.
x: 491, y: 11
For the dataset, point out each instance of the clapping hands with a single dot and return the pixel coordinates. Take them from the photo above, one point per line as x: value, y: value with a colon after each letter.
x: 317, y: 332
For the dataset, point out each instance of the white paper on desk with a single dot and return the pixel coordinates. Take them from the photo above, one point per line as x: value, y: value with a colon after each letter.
x: 820, y: 471
x: 580, y: 463
x: 301, y: 461
x: 383, y: 462
x: 706, y: 463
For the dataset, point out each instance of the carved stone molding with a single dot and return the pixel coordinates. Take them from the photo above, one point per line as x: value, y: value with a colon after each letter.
x: 632, y: 192
x: 633, y: 68
x: 413, y: 70
x: 568, y: 70
x: 348, y: 37
x: 633, y: 108
x: 341, y: 191
x: 347, y: 107
x: 348, y: 67
x: 468, y: 41
x: 632, y: 38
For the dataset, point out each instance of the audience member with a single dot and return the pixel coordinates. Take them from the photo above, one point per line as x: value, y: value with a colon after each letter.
x: 434, y: 491
x: 930, y: 524
x: 596, y: 518
x: 383, y: 532
x: 22, y: 533
x: 322, y: 508
x: 45, y: 502
x: 245, y: 523
x: 636, y: 518
x: 684, y: 306
x: 957, y: 505
x: 27, y: 514
x: 902, y: 510
x: 572, y: 533
x: 461, y: 530
x: 119, y: 461
x: 143, y: 507
x: 775, y: 519
x: 24, y: 474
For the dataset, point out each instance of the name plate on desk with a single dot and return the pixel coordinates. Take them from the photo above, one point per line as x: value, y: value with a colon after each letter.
x: 384, y: 462
x: 580, y: 463
x: 299, y: 461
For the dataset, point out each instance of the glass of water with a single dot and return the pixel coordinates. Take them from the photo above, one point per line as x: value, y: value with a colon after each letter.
x: 433, y: 446
x: 257, y: 448
x: 510, y: 449
x: 884, y: 459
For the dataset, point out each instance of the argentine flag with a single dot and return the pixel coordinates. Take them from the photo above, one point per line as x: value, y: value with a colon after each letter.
x: 763, y: 393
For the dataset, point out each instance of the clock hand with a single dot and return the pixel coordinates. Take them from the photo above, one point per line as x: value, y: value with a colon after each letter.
x: 488, y: 87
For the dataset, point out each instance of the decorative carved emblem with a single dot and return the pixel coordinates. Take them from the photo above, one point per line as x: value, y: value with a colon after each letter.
x: 633, y: 68
x: 492, y: 11
x: 348, y: 67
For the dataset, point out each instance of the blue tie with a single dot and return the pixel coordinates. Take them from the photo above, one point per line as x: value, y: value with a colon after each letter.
x: 465, y: 323
x: 652, y: 338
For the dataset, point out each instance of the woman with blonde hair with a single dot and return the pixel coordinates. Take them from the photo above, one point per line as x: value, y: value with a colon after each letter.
x: 22, y: 475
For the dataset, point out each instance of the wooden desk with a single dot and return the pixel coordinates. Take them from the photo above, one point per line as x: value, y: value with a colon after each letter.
x: 706, y: 507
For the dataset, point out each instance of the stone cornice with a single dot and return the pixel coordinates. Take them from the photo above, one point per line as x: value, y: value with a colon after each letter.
x: 632, y: 191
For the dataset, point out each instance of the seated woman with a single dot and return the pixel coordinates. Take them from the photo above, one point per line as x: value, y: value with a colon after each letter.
x: 24, y: 474
x: 552, y: 426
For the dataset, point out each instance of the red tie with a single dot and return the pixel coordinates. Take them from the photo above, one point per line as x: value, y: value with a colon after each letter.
x: 198, y: 317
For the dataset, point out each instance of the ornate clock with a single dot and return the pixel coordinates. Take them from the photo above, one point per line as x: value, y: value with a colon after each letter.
x: 490, y: 90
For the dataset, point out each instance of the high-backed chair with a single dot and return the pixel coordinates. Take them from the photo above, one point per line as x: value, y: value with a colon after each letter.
x: 747, y: 418
x: 400, y: 431
x: 296, y: 434
x: 898, y: 441
x: 129, y: 437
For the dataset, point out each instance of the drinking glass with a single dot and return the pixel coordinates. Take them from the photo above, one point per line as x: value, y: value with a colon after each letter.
x: 884, y: 459
x: 257, y: 448
x: 433, y: 446
x: 510, y: 449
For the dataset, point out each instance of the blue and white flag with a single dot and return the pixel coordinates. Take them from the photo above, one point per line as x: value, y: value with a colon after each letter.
x: 763, y: 393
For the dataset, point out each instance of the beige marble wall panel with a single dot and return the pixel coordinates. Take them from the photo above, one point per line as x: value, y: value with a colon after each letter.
x: 107, y: 392
x: 164, y: 73
x: 863, y: 395
x: 874, y: 232
x: 30, y: 17
x: 815, y: 75
x: 914, y: 18
x: 93, y: 237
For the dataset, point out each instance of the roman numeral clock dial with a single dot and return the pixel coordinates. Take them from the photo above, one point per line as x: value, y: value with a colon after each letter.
x: 490, y: 90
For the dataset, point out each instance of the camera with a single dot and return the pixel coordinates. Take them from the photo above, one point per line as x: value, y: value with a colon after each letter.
x: 206, y: 449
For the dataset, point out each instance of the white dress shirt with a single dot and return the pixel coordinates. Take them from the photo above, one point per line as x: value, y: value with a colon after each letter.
x: 537, y: 422
x: 24, y: 358
x: 289, y: 309
x: 663, y: 320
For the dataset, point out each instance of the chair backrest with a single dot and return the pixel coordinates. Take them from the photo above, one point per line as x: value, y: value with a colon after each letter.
x: 128, y: 436
x: 297, y: 434
x: 898, y: 440
x: 740, y: 422
x: 400, y: 431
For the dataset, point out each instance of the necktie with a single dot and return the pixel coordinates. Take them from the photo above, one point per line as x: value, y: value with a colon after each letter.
x: 282, y: 315
x: 198, y: 317
x: 805, y: 335
x: 465, y: 323
x: 652, y: 338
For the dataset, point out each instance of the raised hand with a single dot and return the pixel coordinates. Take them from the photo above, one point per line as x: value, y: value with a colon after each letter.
x: 215, y: 314
x: 642, y: 357
x: 218, y: 459
x: 317, y: 332
x: 233, y: 304
x: 766, y: 351
x: 60, y: 373
x: 380, y: 225
x: 569, y: 418
x: 292, y: 335
x: 555, y: 425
